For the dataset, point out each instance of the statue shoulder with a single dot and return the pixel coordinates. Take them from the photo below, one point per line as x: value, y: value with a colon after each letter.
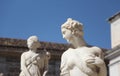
x: 24, y: 54
x: 96, y: 48
x: 68, y: 52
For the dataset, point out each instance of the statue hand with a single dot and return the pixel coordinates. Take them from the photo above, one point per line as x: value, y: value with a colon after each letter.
x: 48, y: 55
x: 99, y: 62
x: 90, y: 59
x: 34, y: 57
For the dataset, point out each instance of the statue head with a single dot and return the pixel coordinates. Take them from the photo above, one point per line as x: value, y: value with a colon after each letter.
x: 33, y: 42
x: 73, y: 27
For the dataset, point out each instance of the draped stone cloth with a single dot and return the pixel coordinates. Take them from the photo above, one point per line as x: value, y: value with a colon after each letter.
x: 35, y: 64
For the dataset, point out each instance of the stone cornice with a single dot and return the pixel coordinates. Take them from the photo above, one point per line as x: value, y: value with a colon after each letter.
x: 113, y: 53
x: 15, y: 47
x: 22, y: 43
x: 114, y: 17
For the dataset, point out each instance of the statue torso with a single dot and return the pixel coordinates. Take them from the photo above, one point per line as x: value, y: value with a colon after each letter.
x: 77, y: 61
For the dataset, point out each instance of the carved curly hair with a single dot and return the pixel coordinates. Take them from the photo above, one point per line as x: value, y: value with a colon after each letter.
x: 74, y: 26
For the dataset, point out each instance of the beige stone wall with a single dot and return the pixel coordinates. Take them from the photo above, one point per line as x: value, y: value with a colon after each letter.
x: 115, y: 66
x: 113, y: 55
x: 11, y: 50
x: 115, y: 32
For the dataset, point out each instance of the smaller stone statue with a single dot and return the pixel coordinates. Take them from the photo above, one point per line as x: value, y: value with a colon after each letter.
x: 80, y: 60
x: 33, y: 63
x: 1, y: 74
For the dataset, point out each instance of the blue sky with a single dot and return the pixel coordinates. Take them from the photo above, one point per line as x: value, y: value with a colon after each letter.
x: 23, y: 18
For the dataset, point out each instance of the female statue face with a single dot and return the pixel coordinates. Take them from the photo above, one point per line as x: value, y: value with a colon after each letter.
x: 33, y: 42
x: 67, y: 34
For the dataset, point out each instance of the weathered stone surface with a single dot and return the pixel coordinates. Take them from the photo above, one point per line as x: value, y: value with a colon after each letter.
x: 11, y: 50
x: 115, y: 29
x: 80, y: 60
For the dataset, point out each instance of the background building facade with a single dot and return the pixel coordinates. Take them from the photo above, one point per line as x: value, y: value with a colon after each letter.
x: 113, y: 55
x: 11, y: 50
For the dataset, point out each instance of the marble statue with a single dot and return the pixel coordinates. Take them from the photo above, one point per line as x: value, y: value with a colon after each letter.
x: 33, y: 63
x: 1, y: 74
x: 80, y: 60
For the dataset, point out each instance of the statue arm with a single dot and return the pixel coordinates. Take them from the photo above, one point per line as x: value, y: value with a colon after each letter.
x: 102, y: 67
x: 23, y: 66
x: 99, y: 61
x: 46, y: 61
x: 45, y: 68
x: 64, y: 67
x: 103, y: 71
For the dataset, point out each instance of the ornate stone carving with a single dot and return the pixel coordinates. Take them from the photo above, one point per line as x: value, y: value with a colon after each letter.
x: 80, y: 60
x: 33, y: 63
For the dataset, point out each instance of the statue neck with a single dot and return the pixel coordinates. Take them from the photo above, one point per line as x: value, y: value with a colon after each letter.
x: 78, y: 42
x: 33, y: 50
